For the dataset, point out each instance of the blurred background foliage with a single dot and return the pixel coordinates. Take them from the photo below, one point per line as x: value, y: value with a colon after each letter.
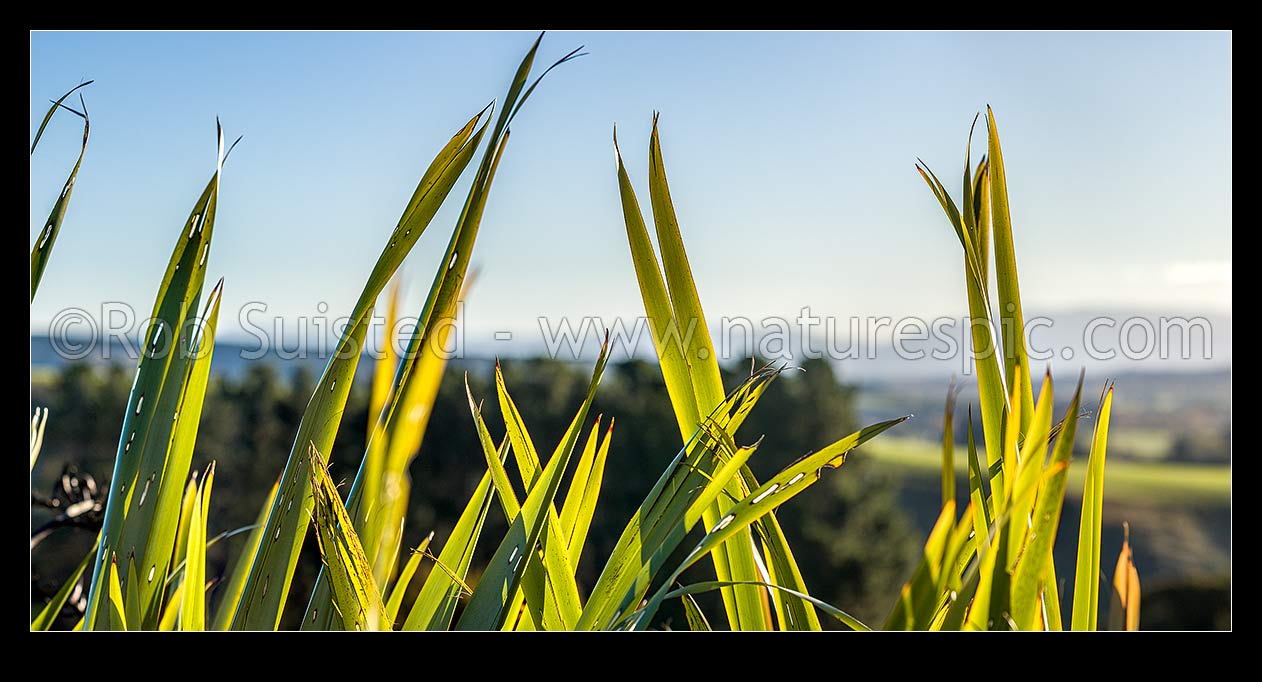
x: 856, y: 537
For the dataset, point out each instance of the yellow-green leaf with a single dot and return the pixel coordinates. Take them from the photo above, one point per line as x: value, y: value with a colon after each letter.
x: 48, y: 614
x: 1012, y: 322
x: 436, y: 603
x: 140, y: 464
x: 241, y: 569
x: 1087, y: 577
x: 193, y: 597
x: 781, y: 488
x: 48, y: 235
x: 355, y: 594
x: 486, y: 609
x: 117, y: 612
x: 395, y: 599
x: 1034, y: 577
x: 267, y: 588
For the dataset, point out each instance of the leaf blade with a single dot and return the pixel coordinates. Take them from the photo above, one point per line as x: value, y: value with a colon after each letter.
x: 355, y: 593
x: 277, y: 557
x: 193, y: 596
x: 241, y: 569
x: 486, y: 607
x: 1087, y: 577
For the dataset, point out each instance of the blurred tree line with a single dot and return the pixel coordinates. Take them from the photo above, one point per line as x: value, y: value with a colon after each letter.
x: 854, y: 543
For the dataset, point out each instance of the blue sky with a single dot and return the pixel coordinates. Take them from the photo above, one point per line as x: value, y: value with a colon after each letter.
x: 791, y: 159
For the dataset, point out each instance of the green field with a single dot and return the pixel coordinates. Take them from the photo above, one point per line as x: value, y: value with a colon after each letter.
x: 1142, y: 443
x: 1124, y: 480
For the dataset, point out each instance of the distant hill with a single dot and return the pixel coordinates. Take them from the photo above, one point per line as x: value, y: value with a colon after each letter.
x: 1061, y: 333
x: 231, y: 359
x: 1157, y: 415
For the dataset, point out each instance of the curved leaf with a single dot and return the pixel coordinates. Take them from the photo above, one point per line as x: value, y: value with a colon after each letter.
x: 140, y: 465
x: 267, y: 588
x: 355, y: 594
